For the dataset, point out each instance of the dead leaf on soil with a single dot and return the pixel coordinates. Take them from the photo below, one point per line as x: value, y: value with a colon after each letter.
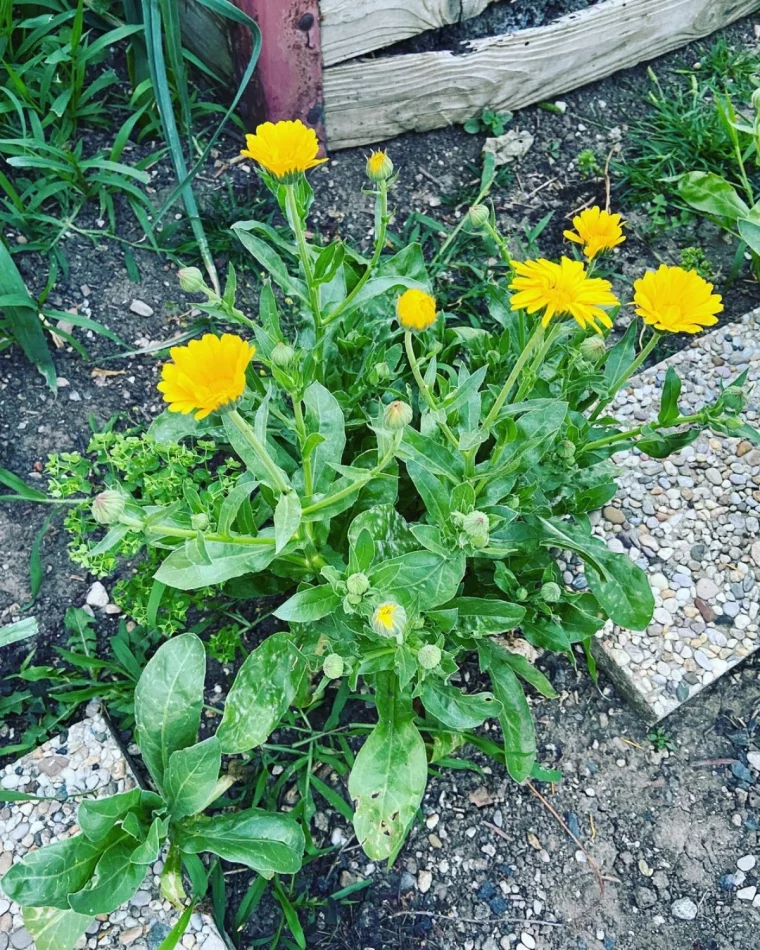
x: 481, y: 797
x: 534, y: 842
x: 510, y: 146
x: 107, y: 372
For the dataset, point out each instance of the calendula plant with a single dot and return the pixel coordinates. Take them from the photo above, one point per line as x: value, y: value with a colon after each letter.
x: 733, y: 205
x: 62, y: 887
x: 413, y: 482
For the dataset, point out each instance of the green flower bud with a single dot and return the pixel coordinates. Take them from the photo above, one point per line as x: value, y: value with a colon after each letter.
x: 551, y: 592
x: 381, y: 371
x: 566, y: 449
x: 493, y: 357
x: 478, y: 216
x: 191, y: 280
x: 429, y: 656
x: 199, y: 521
x: 756, y: 100
x: 333, y: 666
x: 521, y: 593
x: 379, y: 166
x: 397, y: 414
x: 593, y: 348
x: 350, y: 603
x: 282, y: 355
x: 108, y: 506
x: 476, y: 523
x: 357, y: 584
x: 389, y: 619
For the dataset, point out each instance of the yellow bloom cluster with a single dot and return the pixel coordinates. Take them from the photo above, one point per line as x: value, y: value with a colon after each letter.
x: 596, y: 230
x: 415, y: 310
x: 676, y: 300
x: 206, y: 375
x: 562, y: 289
x: 284, y: 149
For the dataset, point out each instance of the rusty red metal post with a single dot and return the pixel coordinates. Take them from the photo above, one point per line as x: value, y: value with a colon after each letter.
x: 288, y: 79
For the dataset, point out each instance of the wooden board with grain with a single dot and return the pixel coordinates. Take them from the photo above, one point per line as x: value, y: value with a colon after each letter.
x: 208, y: 36
x: 371, y: 100
x: 352, y: 28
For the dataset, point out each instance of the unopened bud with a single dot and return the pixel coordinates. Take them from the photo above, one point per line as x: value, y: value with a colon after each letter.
x: 108, y: 506
x: 476, y: 523
x: 379, y: 166
x: 566, y: 449
x: 389, y: 619
x: 521, y: 593
x: 357, y: 584
x: 191, y: 280
x: 282, y: 355
x: 333, y: 666
x: 429, y: 656
x: 593, y: 348
x: 478, y: 216
x: 734, y: 398
x: 551, y: 592
x: 381, y: 371
x: 397, y: 414
x: 199, y: 521
x: 756, y: 99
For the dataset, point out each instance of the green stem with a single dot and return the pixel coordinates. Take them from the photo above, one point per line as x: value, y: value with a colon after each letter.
x: 646, y: 350
x: 423, y: 387
x: 349, y: 489
x: 530, y: 376
x: 500, y: 243
x: 454, y: 234
x: 304, y: 255
x: 261, y: 451
x: 382, y: 218
x: 522, y: 359
x: 301, y: 431
x: 167, y: 531
x: 632, y: 433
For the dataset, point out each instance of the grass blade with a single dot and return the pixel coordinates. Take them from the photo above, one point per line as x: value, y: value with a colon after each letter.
x: 24, y: 321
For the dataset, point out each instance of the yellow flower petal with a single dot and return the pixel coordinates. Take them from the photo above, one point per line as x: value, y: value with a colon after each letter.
x: 206, y: 374
x: 597, y: 230
x: 675, y: 300
x: 562, y: 289
x: 415, y: 310
x: 285, y: 149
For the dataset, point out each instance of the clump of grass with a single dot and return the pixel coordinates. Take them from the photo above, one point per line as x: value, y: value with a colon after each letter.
x: 682, y: 130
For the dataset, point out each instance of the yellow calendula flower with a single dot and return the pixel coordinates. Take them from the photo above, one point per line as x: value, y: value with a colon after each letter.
x: 379, y: 166
x: 562, y: 289
x: 676, y: 300
x: 597, y: 230
x: 206, y: 374
x: 285, y: 149
x: 388, y: 619
x: 415, y: 310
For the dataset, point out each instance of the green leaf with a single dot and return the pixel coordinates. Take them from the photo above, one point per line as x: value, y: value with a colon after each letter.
x: 54, y: 929
x: 455, y: 709
x: 711, y: 194
x: 264, y: 688
x: 267, y: 842
x: 25, y: 492
x: 97, y: 817
x: 432, y: 492
x: 191, y: 777
x: 46, y: 877
x: 420, y: 578
x: 431, y: 455
x: 232, y: 503
x: 270, y: 261
x: 620, y: 586
x: 115, y: 880
x: 169, y: 700
x: 20, y: 630
x: 287, y: 519
x: 516, y: 719
x: 749, y: 230
x: 324, y: 416
x: 23, y: 318
x: 671, y: 393
x: 526, y: 671
x: 661, y: 445
x: 621, y: 356
x: 482, y: 617
x: 362, y: 553
x: 148, y: 851
x: 388, y: 530
x: 187, y: 569
x: 388, y: 778
x: 309, y: 605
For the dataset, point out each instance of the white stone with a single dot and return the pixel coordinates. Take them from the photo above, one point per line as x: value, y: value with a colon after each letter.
x: 528, y: 941
x: 97, y: 595
x: 684, y: 908
x: 747, y: 862
x: 747, y: 893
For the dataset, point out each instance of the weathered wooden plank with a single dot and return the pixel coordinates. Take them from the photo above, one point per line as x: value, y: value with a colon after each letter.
x: 370, y: 100
x: 352, y: 28
x: 208, y: 36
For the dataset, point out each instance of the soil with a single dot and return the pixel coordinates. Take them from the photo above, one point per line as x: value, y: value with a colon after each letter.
x: 685, y: 816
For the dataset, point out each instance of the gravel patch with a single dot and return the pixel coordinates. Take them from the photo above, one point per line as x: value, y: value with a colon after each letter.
x: 692, y: 523
x: 87, y: 758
